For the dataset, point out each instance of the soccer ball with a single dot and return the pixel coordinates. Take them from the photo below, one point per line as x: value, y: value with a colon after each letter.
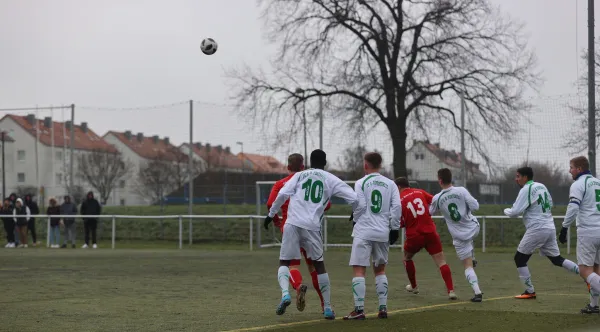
x: 208, y: 46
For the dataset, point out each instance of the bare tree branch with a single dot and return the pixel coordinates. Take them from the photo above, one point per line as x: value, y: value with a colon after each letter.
x: 102, y: 170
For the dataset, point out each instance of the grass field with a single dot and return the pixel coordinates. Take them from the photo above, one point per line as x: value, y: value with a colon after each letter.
x: 234, y: 290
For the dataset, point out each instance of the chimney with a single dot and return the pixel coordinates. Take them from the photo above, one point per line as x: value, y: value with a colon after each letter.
x: 437, y: 145
x: 208, y: 147
x: 84, y: 127
x: 228, y: 150
x: 199, y: 145
x: 48, y: 122
x: 31, y: 119
x: 140, y: 137
x: 219, y: 148
x: 68, y: 125
x: 155, y: 139
x: 128, y: 135
x: 167, y: 141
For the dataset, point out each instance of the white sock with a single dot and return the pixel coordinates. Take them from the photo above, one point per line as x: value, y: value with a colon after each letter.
x: 358, y: 291
x: 283, y: 276
x: 570, y: 266
x: 594, y: 297
x: 525, y: 277
x: 594, y: 281
x: 381, y: 285
x: 472, y: 280
x: 325, y: 289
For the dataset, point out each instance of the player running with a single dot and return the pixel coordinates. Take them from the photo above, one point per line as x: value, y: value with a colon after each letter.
x: 378, y: 210
x: 295, y: 164
x: 584, y: 206
x: 534, y: 202
x: 421, y: 233
x: 309, y: 192
x: 456, y: 205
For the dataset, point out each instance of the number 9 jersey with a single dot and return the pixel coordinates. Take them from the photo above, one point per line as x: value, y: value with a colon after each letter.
x: 456, y: 205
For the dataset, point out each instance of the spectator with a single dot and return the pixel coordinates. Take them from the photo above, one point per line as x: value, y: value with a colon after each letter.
x: 9, y: 223
x: 66, y: 209
x: 54, y: 209
x: 13, y: 200
x: 90, y: 207
x: 34, y: 210
x: 22, y: 215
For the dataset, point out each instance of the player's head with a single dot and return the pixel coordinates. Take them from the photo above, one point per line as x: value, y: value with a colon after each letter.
x: 318, y: 159
x: 402, y: 183
x: 578, y: 166
x: 444, y: 177
x: 524, y: 175
x: 295, y: 163
x: 373, y: 162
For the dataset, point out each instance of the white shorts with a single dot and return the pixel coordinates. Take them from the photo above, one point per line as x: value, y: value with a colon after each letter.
x: 588, y: 250
x: 543, y: 239
x: 363, y: 250
x: 294, y: 238
x: 464, y: 248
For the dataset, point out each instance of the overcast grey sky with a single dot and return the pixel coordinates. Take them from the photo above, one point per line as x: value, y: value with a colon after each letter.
x: 132, y: 53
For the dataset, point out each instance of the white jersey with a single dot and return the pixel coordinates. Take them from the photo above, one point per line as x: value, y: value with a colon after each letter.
x: 309, y: 192
x: 456, y: 205
x: 378, y: 206
x: 584, y: 194
x: 534, y: 202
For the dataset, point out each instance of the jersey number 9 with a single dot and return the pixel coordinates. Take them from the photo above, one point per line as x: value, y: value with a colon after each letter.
x: 376, y: 201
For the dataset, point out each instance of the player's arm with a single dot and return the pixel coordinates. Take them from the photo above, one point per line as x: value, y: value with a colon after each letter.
x: 575, y: 198
x: 361, y: 205
x: 428, y: 196
x: 472, y: 203
x: 342, y: 190
x: 288, y: 190
x: 520, y: 205
x: 273, y: 195
x: 433, y: 207
x: 395, y: 209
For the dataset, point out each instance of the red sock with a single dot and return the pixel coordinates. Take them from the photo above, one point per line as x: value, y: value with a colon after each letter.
x: 315, y: 281
x: 447, y: 275
x: 295, y: 278
x: 411, y: 271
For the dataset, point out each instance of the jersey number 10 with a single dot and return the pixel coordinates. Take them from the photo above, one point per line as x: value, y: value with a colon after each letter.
x: 313, y: 191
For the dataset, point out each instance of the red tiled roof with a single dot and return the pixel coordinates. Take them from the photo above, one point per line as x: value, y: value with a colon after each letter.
x: 84, y: 140
x: 451, y: 158
x: 264, y: 164
x: 217, y: 157
x: 148, y: 148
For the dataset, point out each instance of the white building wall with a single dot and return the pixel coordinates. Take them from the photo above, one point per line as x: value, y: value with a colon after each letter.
x: 424, y: 165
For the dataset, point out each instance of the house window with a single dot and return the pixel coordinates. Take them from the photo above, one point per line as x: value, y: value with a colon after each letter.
x: 422, y: 156
x: 59, y: 178
x: 20, y: 177
x: 122, y: 184
x: 122, y: 202
x: 58, y: 155
x: 21, y: 155
x: 416, y: 156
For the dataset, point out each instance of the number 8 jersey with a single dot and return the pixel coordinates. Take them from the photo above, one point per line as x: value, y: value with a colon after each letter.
x: 456, y: 205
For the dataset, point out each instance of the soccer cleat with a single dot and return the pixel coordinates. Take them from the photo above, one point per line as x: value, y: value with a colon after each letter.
x: 410, y: 289
x: 382, y: 312
x: 285, y: 302
x: 329, y: 314
x: 474, y: 263
x: 301, y: 297
x: 526, y: 296
x: 477, y: 298
x: 64, y: 245
x: 24, y: 246
x: 452, y: 295
x: 85, y: 246
x: 356, y: 315
x: 588, y: 309
x: 94, y: 246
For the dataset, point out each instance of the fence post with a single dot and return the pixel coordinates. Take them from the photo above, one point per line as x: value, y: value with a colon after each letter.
x: 483, y: 237
x: 190, y: 231
x: 569, y: 241
x: 180, y: 232
x: 114, y: 231
x: 258, y: 234
x: 251, y: 231
x: 325, y: 233
x: 48, y: 234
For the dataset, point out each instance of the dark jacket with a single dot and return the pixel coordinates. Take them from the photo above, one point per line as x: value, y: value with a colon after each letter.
x: 68, y: 208
x: 33, y: 207
x: 56, y: 211
x: 21, y: 215
x: 13, y: 199
x: 90, y: 207
x: 7, y: 211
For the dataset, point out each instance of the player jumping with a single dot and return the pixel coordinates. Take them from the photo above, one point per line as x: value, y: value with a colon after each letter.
x: 421, y: 233
x: 295, y: 164
x: 584, y: 206
x: 309, y: 192
x: 378, y: 210
x: 534, y: 202
x: 456, y: 205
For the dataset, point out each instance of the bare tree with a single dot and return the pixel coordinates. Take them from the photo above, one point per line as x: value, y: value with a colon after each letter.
x: 179, y: 166
x: 155, y: 179
x: 102, y: 170
x: 391, y: 62
x: 549, y: 174
x: 23, y: 190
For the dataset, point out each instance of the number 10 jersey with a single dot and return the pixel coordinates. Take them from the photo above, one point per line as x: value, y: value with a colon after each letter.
x: 456, y: 205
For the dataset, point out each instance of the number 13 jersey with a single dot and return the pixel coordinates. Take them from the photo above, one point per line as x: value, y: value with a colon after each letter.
x: 456, y: 205
x: 415, y: 212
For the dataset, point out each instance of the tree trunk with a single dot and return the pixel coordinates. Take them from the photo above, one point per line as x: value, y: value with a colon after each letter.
x: 398, y: 133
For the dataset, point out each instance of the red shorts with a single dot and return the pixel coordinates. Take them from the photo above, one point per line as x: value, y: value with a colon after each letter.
x: 296, y: 262
x: 430, y: 241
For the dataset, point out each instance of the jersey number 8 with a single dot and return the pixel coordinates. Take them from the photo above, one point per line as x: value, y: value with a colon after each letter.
x: 454, y: 214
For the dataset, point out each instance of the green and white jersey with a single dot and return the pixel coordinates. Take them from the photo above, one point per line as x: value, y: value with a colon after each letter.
x: 456, y: 205
x: 378, y: 208
x: 584, y: 206
x: 535, y: 203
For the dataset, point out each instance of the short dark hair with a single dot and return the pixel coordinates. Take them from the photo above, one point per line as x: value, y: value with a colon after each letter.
x: 526, y: 171
x: 318, y: 159
x: 374, y: 159
x: 402, y: 182
x: 295, y: 162
x: 445, y: 175
x: 582, y: 162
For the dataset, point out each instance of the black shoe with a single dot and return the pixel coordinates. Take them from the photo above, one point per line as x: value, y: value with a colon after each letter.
x: 477, y: 298
x: 588, y: 309
x: 64, y: 245
x: 73, y: 246
x: 474, y: 263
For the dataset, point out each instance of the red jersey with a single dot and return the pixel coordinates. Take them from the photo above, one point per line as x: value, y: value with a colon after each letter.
x: 284, y: 208
x: 415, y: 212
